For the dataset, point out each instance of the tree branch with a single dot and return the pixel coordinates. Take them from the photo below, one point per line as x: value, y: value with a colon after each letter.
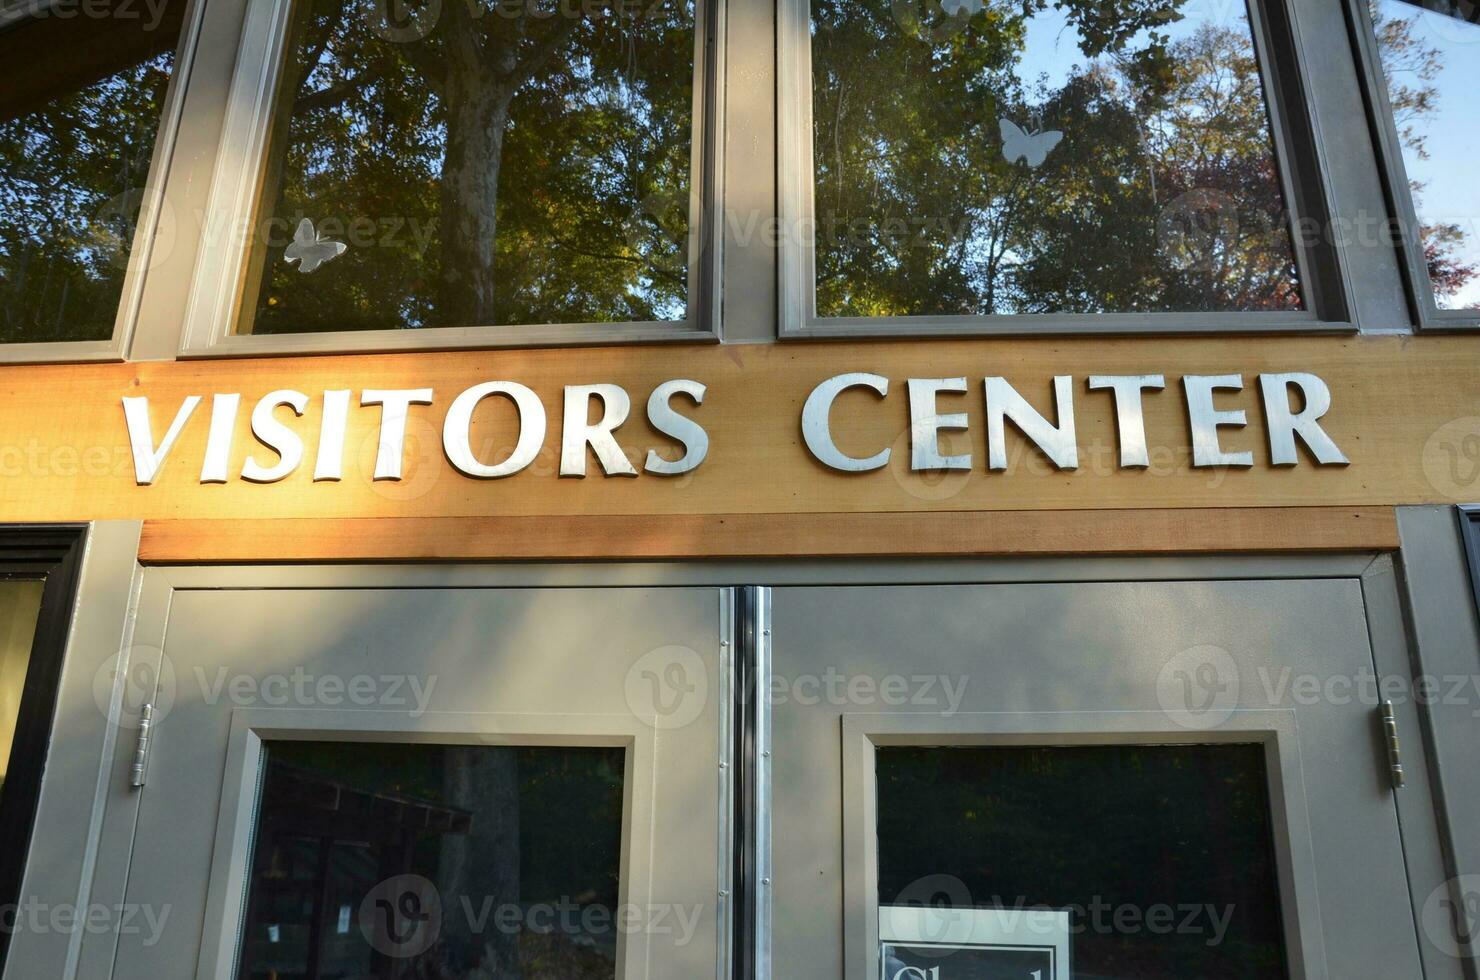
x: 544, y: 49
x: 328, y: 98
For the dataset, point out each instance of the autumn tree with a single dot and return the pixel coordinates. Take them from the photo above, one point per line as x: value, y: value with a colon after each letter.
x: 919, y: 211
x: 1411, y: 68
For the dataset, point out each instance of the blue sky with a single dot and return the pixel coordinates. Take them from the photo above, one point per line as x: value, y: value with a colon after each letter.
x: 1452, y: 192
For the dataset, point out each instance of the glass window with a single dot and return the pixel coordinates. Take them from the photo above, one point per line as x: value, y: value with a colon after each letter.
x: 20, y: 606
x: 81, y: 97
x: 382, y: 860
x: 1428, y: 53
x: 455, y: 164
x: 978, y: 157
x: 1161, y: 855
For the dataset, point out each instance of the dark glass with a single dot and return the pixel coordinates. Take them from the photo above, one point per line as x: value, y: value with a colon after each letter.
x: 452, y: 862
x: 1028, y: 157
x: 81, y: 98
x: 1428, y: 53
x: 456, y: 164
x: 1162, y: 854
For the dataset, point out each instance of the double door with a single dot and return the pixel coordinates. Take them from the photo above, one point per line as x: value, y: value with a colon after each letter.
x: 971, y: 770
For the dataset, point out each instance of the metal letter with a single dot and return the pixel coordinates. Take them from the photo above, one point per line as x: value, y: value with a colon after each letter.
x: 1285, y: 425
x: 926, y: 423
x: 1205, y: 419
x: 691, y: 434
x: 577, y: 431
x: 1128, y: 416
x: 455, y: 430
x: 817, y: 425
x: 147, y: 459
x: 275, y: 436
x: 218, y: 442
x: 329, y: 465
x: 1056, y: 442
x: 394, y: 404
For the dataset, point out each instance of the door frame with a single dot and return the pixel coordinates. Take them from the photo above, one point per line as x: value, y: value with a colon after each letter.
x: 231, y: 861
x: 87, y: 632
x: 51, y: 554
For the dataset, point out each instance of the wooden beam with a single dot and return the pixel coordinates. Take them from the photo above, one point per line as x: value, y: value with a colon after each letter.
x: 953, y: 533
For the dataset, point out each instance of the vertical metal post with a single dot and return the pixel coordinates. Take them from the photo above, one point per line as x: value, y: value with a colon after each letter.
x: 752, y: 819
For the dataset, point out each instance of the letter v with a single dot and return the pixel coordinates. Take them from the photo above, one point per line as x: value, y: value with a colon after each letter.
x: 148, y: 459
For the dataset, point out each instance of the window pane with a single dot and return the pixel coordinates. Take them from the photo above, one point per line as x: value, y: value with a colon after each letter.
x: 1162, y: 855
x: 478, y: 164
x: 388, y: 860
x: 978, y: 157
x: 80, y: 105
x: 1429, y: 58
x: 20, y: 605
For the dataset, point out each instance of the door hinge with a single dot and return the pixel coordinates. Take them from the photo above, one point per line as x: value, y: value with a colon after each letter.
x: 1390, y: 740
x: 140, y: 765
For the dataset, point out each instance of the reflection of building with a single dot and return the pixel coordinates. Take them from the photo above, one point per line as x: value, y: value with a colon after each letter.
x: 557, y: 491
x: 322, y: 844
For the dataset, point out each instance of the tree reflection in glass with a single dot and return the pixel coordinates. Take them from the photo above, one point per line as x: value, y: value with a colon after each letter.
x: 1430, y: 57
x: 482, y: 163
x: 399, y: 861
x: 81, y: 100
x: 1163, y: 194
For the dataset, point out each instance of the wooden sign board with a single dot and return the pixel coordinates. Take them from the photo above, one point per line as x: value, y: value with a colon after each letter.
x: 1405, y: 411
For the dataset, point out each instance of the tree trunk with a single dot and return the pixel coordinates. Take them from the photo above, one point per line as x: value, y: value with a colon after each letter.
x: 480, y: 870
x: 485, y: 66
x: 477, y: 114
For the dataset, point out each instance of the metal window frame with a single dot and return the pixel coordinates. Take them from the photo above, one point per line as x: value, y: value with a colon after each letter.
x: 750, y: 841
x: 1394, y: 173
x: 212, y: 310
x: 241, y: 796
x: 1302, y: 154
x: 1273, y: 730
x: 1469, y: 529
x: 155, y: 212
x: 53, y: 555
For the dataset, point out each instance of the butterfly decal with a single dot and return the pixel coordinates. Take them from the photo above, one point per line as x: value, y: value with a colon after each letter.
x: 309, y: 250
x: 956, y: 7
x: 1031, y: 149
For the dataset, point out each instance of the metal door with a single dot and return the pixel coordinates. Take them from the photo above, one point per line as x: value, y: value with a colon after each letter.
x: 329, y: 724
x: 863, y: 676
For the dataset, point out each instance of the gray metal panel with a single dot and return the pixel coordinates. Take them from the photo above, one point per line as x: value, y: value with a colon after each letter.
x: 1374, y: 279
x: 65, y: 852
x: 1425, y: 845
x: 803, y: 572
x: 1446, y: 637
x: 490, y: 657
x: 748, y: 211
x: 1092, y: 647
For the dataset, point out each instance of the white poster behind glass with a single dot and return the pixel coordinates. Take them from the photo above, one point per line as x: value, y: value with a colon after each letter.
x: 917, y: 943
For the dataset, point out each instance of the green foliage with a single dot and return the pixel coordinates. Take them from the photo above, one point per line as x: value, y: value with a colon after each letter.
x: 1162, y: 196
x: 72, y: 176
x: 515, y: 165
